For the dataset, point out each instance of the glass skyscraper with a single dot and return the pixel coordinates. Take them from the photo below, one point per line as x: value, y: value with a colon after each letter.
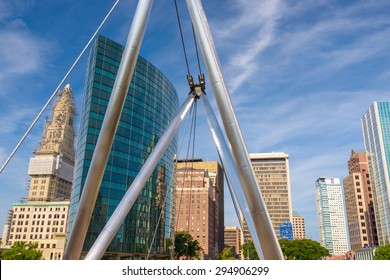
x: 151, y: 103
x: 331, y: 216
x: 376, y: 134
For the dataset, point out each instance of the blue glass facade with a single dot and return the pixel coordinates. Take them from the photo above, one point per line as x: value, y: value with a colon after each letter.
x: 376, y: 134
x: 151, y: 103
x: 286, y: 231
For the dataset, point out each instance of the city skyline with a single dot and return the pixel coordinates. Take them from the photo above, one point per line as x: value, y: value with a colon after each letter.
x: 304, y: 76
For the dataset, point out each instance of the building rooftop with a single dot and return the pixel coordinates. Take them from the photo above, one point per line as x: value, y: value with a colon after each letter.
x: 268, y: 155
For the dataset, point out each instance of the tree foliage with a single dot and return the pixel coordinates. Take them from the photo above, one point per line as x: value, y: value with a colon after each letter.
x: 302, y: 249
x: 249, y: 251
x: 22, y: 250
x: 227, y: 254
x: 382, y: 253
x: 186, y: 246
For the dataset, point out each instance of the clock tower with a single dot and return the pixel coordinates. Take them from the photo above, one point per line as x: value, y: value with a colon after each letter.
x: 51, y: 168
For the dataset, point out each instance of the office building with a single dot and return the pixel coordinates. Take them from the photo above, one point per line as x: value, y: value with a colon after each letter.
x: 273, y: 177
x: 358, y: 203
x: 331, y: 215
x: 298, y: 226
x: 198, y: 203
x: 43, y: 218
x: 51, y: 168
x: 376, y: 135
x: 232, y: 239
x: 150, y: 104
x: 216, y: 176
x: 41, y: 222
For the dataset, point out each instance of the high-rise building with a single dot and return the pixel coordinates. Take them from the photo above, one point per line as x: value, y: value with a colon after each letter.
x: 44, y: 217
x: 51, y: 168
x: 358, y: 203
x: 232, y: 239
x: 298, y: 226
x: 199, y: 203
x: 273, y: 177
x: 150, y: 104
x: 331, y: 215
x: 286, y: 230
x: 376, y: 135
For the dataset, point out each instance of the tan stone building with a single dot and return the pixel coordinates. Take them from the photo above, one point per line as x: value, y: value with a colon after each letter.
x: 199, y: 203
x: 298, y: 226
x: 233, y: 239
x: 51, y: 168
x: 43, y: 219
x: 273, y: 177
x: 44, y: 223
x: 359, y: 203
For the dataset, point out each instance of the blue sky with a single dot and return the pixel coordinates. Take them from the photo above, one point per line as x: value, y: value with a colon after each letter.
x: 301, y: 75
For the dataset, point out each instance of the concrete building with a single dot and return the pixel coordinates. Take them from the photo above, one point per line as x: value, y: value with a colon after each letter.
x: 198, y: 203
x: 298, y: 226
x: 273, y: 177
x: 376, y: 135
x: 232, y: 239
x: 44, y: 217
x: 151, y: 103
x: 331, y: 215
x: 42, y: 222
x: 359, y: 204
x: 51, y: 168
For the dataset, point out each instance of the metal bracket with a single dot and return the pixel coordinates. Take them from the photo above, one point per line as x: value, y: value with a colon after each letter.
x: 197, y: 89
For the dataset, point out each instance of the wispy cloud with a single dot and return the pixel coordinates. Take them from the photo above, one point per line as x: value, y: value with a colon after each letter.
x: 258, y: 18
x: 22, y: 51
x: 307, y: 51
x: 15, y: 118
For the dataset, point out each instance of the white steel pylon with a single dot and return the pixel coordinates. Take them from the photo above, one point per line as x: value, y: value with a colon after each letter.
x: 256, y: 216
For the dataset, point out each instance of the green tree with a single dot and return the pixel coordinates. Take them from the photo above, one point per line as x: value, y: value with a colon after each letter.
x: 186, y: 246
x: 22, y: 250
x: 249, y: 251
x: 302, y: 249
x: 227, y: 254
x: 382, y: 253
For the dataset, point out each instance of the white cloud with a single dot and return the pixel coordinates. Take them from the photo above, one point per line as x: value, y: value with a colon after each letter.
x: 22, y: 52
x: 258, y: 18
x: 14, y: 118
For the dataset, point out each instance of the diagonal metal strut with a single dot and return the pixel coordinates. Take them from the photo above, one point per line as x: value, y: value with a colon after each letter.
x: 120, y: 213
x: 107, y: 132
x: 233, y: 179
x: 264, y: 229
